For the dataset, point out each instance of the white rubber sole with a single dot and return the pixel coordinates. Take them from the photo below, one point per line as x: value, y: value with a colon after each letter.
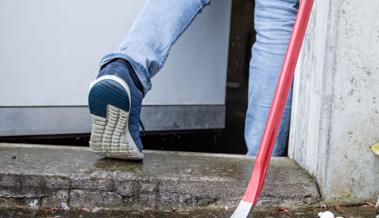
x: 110, y: 136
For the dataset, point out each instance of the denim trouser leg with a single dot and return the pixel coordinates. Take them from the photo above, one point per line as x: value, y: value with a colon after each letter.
x: 160, y: 23
x: 157, y: 27
x: 273, y: 21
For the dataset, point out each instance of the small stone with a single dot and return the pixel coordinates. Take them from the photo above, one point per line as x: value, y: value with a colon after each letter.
x: 96, y: 209
x: 33, y: 204
x: 64, y: 206
x: 282, y: 209
x: 85, y: 209
x: 326, y: 214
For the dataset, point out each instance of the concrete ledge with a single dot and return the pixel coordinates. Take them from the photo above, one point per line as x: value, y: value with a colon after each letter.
x: 72, y: 177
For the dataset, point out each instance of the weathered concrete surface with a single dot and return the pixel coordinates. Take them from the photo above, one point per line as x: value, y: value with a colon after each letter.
x: 72, y: 177
x: 335, y: 105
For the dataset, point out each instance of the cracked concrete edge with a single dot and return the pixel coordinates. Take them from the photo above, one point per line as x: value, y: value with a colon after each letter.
x: 135, y: 194
x: 106, y: 188
x: 52, y: 192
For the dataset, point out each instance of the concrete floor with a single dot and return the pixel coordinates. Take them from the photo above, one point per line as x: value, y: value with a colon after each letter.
x: 346, y: 212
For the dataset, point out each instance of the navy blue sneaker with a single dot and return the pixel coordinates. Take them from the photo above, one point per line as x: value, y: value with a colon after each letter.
x: 115, y: 105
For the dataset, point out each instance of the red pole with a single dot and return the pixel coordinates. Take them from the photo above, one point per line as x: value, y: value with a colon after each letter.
x: 258, y: 177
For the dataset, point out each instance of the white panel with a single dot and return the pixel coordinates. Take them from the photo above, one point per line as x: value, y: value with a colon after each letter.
x: 50, y: 50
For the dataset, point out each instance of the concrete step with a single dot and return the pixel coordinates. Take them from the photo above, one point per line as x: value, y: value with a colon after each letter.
x: 65, y: 177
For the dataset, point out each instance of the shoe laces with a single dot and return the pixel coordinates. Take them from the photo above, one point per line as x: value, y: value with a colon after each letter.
x: 143, y: 133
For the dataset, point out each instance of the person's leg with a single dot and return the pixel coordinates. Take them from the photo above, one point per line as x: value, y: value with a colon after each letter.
x: 115, y: 97
x: 157, y: 27
x: 273, y: 22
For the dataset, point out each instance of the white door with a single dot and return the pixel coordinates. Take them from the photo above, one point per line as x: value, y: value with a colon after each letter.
x: 50, y: 50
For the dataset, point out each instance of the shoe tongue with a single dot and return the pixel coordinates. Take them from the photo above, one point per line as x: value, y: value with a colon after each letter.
x: 107, y: 68
x: 132, y: 74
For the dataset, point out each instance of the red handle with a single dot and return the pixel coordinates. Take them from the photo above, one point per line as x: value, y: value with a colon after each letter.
x: 257, y: 179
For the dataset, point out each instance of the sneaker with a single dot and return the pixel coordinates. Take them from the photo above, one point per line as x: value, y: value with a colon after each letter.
x: 115, y: 105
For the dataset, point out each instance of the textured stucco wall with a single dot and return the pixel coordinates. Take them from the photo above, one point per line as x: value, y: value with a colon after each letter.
x: 335, y: 110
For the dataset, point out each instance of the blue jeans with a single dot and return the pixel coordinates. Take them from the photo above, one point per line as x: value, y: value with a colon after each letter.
x: 159, y: 24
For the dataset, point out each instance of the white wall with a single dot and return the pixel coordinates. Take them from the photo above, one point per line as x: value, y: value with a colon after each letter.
x: 50, y: 50
x: 335, y: 115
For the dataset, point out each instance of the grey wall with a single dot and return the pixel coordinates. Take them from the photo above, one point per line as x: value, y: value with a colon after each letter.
x: 335, y: 115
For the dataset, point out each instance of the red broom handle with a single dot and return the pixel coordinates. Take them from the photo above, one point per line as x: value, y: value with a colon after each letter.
x: 257, y: 179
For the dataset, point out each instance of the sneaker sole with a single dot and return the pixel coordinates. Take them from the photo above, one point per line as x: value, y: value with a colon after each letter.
x: 109, y: 105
